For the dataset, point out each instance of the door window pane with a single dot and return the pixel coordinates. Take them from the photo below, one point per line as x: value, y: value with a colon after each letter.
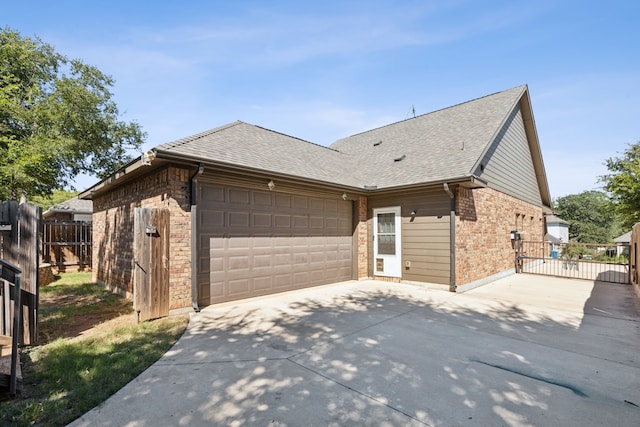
x: 387, y: 234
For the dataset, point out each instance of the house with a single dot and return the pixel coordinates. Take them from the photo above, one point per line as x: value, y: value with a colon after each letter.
x: 557, y: 234
x: 622, y: 244
x: 557, y: 229
x: 431, y: 199
x: 74, y: 209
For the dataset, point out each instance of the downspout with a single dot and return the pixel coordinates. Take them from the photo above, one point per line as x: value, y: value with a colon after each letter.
x: 194, y: 237
x: 452, y: 238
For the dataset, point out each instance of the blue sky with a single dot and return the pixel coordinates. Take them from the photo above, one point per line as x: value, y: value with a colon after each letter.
x: 321, y: 71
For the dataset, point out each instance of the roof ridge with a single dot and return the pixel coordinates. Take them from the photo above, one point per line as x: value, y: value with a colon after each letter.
x: 435, y: 111
x: 187, y: 139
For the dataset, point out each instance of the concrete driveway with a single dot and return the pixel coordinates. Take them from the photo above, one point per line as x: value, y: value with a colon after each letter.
x: 523, y: 351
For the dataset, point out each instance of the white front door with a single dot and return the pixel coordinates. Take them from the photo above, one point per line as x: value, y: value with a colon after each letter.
x: 387, y: 257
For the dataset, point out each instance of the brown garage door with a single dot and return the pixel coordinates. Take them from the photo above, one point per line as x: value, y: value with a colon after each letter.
x: 257, y: 242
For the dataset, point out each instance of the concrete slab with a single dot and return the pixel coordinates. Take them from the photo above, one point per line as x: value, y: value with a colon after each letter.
x: 523, y: 351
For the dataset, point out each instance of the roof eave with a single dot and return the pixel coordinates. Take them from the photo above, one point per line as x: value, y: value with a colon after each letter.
x: 121, y: 175
x: 185, y: 159
x: 468, y: 181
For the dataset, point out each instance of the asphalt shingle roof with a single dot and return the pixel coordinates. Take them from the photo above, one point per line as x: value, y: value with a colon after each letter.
x: 249, y: 146
x: 442, y: 145
x: 437, y: 146
x: 74, y: 205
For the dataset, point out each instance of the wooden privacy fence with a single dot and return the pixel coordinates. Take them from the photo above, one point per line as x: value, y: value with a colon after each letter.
x: 19, y: 236
x: 10, y: 325
x: 67, y: 244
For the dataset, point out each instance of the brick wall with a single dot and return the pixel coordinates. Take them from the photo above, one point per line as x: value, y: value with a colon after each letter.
x: 113, y: 231
x: 484, y: 220
x: 362, y: 233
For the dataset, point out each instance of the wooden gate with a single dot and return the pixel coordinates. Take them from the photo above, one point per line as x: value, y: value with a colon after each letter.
x: 19, y: 236
x: 151, y: 263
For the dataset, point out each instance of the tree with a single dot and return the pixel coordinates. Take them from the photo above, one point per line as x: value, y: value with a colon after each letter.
x: 590, y: 216
x: 57, y: 119
x: 623, y: 184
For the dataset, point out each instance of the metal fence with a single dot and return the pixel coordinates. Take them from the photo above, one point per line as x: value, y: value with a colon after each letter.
x: 605, y: 262
x: 67, y: 244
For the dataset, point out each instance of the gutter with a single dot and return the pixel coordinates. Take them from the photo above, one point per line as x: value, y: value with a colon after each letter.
x: 140, y: 162
x: 452, y: 238
x: 194, y: 237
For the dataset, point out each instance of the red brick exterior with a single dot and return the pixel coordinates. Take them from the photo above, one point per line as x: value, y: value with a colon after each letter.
x: 362, y: 238
x: 113, y: 231
x: 484, y: 220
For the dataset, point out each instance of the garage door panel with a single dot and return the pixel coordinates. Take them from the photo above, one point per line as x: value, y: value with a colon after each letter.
x: 239, y: 196
x: 275, y: 242
x: 238, y: 219
x: 262, y: 284
x: 210, y: 219
x: 212, y: 193
x: 239, y: 288
x: 261, y: 198
x: 283, y: 282
x: 282, y: 221
x: 282, y: 200
x: 262, y: 261
x: 262, y: 220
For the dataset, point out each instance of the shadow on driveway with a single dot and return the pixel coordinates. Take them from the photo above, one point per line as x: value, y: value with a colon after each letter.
x: 374, y: 353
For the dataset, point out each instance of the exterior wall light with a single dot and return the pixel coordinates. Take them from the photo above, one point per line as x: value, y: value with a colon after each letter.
x: 271, y: 185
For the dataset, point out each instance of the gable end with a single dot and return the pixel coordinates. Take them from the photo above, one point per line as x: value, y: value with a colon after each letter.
x: 507, y: 165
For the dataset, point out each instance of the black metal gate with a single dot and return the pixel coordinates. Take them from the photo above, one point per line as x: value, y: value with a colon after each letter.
x: 604, y: 262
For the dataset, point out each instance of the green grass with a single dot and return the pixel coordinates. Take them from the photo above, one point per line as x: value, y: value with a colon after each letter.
x: 90, y: 347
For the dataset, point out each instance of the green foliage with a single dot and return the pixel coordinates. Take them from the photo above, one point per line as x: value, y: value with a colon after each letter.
x: 58, y: 196
x: 69, y: 374
x: 575, y: 250
x: 590, y: 215
x: 57, y: 119
x: 623, y: 183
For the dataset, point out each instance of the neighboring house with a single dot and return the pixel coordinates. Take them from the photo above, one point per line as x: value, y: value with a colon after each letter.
x: 431, y: 199
x: 74, y: 209
x: 622, y: 244
x: 557, y: 229
x: 557, y: 234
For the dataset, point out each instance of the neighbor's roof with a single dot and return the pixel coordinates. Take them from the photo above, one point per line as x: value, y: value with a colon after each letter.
x: 625, y: 238
x: 437, y: 146
x: 73, y: 205
x: 551, y: 238
x: 552, y: 219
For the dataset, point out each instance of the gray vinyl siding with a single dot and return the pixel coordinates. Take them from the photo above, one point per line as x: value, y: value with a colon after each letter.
x: 508, y: 166
x: 425, y: 239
